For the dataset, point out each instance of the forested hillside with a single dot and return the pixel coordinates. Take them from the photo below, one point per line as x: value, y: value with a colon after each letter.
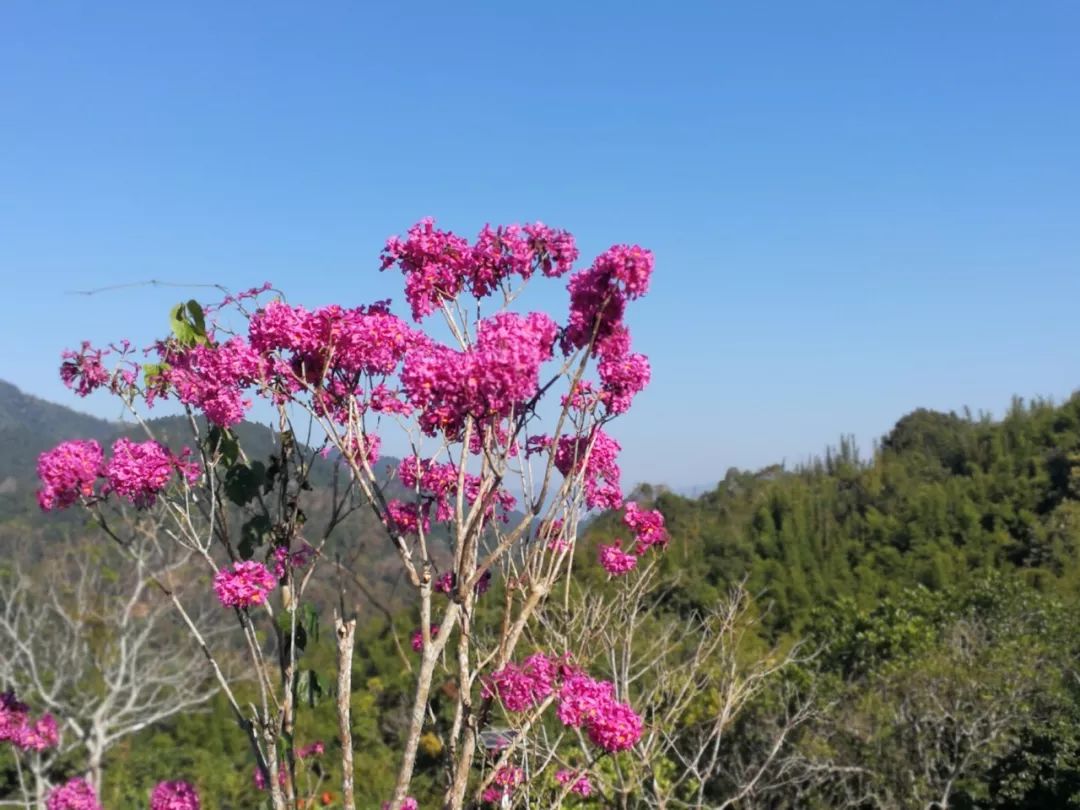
x: 920, y: 602
x: 943, y: 498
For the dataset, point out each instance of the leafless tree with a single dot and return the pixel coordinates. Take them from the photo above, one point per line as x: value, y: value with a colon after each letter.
x: 88, y: 638
x: 694, y: 681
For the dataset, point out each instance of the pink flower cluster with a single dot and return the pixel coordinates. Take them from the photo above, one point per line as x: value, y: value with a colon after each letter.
x: 332, y: 341
x: 260, y: 780
x: 581, y: 784
x: 521, y: 687
x: 212, y: 378
x: 598, y: 466
x: 137, y: 471
x: 623, y: 373
x: 21, y: 730
x: 246, y: 585
x: 552, y: 533
x: 505, y: 780
x: 582, y: 702
x: 315, y: 749
x: 178, y: 795
x: 616, y: 561
x: 649, y: 532
x: 75, y: 794
x: 647, y: 526
x: 439, y: 265
x: 436, y: 485
x: 585, y: 702
x: 408, y: 803
x: 488, y: 381
x: 68, y: 473
x: 285, y: 559
x: 447, y: 582
x: 599, y: 294
x: 83, y: 371
x: 418, y: 637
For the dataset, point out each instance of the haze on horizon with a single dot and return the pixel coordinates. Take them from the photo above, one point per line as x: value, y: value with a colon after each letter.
x: 856, y: 210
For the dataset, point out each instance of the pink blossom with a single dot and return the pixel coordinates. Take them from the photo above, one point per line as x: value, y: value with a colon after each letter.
x: 599, y: 294
x: 600, y: 469
x: 408, y: 803
x: 138, y: 471
x: 315, y: 749
x: 494, y: 378
x: 505, y: 780
x: 213, y: 378
x: 68, y: 473
x: 585, y: 702
x: 75, y: 794
x: 247, y: 584
x: 553, y: 250
x: 581, y: 784
x: 521, y: 687
x: 260, y: 780
x: 418, y: 637
x: 285, y: 559
x: 360, y: 449
x: 623, y: 374
x: 14, y: 716
x: 648, y: 527
x: 39, y: 735
x: 616, y: 727
x: 616, y: 561
x: 405, y: 518
x: 582, y: 698
x: 178, y: 795
x: 447, y: 582
x: 434, y: 263
x: 553, y: 533
x: 83, y: 371
x: 439, y: 265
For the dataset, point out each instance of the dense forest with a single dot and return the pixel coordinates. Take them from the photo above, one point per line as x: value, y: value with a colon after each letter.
x: 888, y: 631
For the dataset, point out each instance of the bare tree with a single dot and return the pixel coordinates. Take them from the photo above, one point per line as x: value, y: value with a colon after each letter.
x: 694, y: 681
x: 918, y: 733
x: 87, y: 637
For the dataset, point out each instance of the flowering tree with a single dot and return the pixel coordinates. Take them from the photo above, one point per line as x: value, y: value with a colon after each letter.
x: 503, y: 413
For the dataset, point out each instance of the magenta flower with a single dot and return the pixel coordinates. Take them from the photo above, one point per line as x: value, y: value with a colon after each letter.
x: 648, y: 527
x: 177, y: 795
x: 75, y: 794
x: 39, y: 735
x: 14, y: 716
x: 418, y: 637
x: 616, y: 561
x: 138, y: 471
x: 83, y: 371
x: 315, y: 749
x: 581, y: 784
x: 68, y: 473
x: 247, y: 584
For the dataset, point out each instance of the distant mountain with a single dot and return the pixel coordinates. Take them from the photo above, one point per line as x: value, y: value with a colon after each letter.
x: 28, y: 427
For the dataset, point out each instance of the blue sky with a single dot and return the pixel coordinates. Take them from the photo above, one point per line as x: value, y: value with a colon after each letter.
x: 857, y: 208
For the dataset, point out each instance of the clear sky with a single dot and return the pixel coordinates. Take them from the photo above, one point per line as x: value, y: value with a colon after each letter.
x: 857, y: 208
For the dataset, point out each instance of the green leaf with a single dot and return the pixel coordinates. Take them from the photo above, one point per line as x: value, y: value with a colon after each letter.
x: 198, y: 319
x: 253, y: 534
x: 284, y: 624
x: 308, y: 687
x: 243, y: 482
x: 188, y: 324
x: 311, y: 617
x: 153, y: 370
